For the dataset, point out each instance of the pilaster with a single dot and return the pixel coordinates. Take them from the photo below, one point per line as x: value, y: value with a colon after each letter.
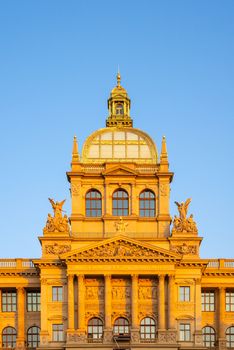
x: 20, y: 341
x: 171, y: 302
x: 70, y: 302
x: 161, y: 302
x: 222, y: 292
x: 81, y: 303
x: 108, y: 299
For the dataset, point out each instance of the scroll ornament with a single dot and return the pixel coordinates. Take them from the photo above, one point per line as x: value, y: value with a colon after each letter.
x: 58, y: 222
x: 182, y: 224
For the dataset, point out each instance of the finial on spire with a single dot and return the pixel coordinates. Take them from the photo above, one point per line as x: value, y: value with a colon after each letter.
x: 164, y: 155
x: 75, y: 153
x: 118, y: 77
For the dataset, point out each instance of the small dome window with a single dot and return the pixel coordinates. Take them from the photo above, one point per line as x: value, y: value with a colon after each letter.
x: 119, y: 110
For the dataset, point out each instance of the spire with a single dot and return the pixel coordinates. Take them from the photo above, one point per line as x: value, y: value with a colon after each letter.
x: 119, y: 106
x: 164, y: 156
x: 118, y: 78
x: 75, y: 153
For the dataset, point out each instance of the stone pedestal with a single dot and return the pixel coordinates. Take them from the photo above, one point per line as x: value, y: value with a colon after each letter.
x: 198, y: 338
x: 107, y: 336
x: 44, y: 338
x: 222, y: 344
x: 135, y: 335
x: 167, y: 336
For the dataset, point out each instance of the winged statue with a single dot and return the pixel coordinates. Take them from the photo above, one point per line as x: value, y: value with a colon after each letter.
x: 57, y: 207
x: 183, y: 208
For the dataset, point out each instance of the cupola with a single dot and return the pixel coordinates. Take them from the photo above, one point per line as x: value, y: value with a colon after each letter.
x: 119, y: 107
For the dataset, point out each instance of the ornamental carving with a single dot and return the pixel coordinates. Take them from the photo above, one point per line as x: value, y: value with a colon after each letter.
x: 91, y: 314
x: 121, y: 292
x: 120, y: 225
x: 182, y: 223
x: 163, y: 190
x: 184, y: 249
x: 94, y: 292
x: 58, y: 222
x: 147, y: 293
x: 57, y: 249
x: 75, y: 189
x: 120, y: 250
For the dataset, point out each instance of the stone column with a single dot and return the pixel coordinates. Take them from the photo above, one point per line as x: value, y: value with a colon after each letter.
x: 70, y: 297
x: 134, y: 299
x: 20, y: 342
x: 135, y: 336
x: 161, y: 302
x: 222, y: 308
x: 171, y: 302
x: 81, y: 303
x: 198, y: 313
x: 44, y: 334
x: 108, y: 301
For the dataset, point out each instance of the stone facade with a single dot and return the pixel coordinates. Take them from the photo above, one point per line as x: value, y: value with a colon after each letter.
x: 119, y: 273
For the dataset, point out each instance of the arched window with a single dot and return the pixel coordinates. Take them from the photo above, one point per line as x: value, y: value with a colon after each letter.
x: 120, y: 203
x: 147, y: 204
x: 93, y: 203
x: 119, y: 110
x: 33, y: 337
x: 230, y: 337
x: 95, y: 330
x: 148, y: 329
x: 9, y: 337
x: 121, y: 326
x: 208, y: 336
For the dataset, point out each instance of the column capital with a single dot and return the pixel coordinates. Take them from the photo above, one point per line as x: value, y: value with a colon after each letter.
x: 80, y: 276
x: 20, y: 289
x: 135, y: 276
x: 107, y: 276
x: 70, y: 277
x: 161, y: 276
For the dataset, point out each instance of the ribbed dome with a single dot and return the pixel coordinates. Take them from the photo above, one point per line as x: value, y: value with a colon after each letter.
x: 119, y: 144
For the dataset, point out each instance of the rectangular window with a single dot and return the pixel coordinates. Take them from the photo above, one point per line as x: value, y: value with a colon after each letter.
x: 229, y: 300
x: 57, y: 332
x: 57, y: 293
x: 208, y: 301
x: 9, y: 301
x: 185, y: 332
x: 33, y: 301
x: 184, y: 294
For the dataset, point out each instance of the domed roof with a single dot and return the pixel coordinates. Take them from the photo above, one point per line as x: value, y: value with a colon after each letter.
x: 119, y: 144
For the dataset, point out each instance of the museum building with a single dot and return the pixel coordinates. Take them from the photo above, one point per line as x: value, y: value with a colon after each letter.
x: 119, y: 273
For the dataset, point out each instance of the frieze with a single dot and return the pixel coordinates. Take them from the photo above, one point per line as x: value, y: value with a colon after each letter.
x: 57, y: 249
x: 184, y: 249
x: 147, y: 292
x: 94, y: 292
x: 121, y: 250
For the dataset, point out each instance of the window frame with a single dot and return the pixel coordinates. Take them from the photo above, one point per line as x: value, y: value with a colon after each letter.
x: 229, y: 337
x: 145, y: 204
x: 56, y: 295
x: 9, y: 295
x: 12, y: 336
x: 34, y: 306
x: 58, y: 332
x: 229, y: 300
x: 184, y: 334
x: 184, y: 293
x: 151, y: 326
x: 93, y: 210
x: 95, y: 331
x: 208, y: 335
x: 208, y: 300
x: 118, y: 109
x: 34, y: 335
x: 120, y: 204
x: 121, y: 323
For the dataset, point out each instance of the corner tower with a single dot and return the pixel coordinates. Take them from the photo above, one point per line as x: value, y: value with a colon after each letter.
x: 119, y: 184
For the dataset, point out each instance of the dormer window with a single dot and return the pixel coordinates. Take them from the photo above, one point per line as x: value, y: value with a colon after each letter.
x: 119, y: 110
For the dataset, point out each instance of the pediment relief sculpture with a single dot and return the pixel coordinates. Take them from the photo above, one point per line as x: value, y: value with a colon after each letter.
x: 58, y: 222
x: 182, y: 224
x: 121, y: 249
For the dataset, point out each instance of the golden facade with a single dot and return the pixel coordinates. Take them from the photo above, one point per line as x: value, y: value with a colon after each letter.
x: 120, y: 273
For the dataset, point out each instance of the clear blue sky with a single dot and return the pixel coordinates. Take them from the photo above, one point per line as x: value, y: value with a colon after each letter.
x: 58, y: 63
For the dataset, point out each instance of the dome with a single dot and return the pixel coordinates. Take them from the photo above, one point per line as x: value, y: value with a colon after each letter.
x: 117, y: 144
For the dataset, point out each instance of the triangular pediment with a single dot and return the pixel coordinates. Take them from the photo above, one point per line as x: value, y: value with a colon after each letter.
x: 121, y: 249
x: 119, y: 170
